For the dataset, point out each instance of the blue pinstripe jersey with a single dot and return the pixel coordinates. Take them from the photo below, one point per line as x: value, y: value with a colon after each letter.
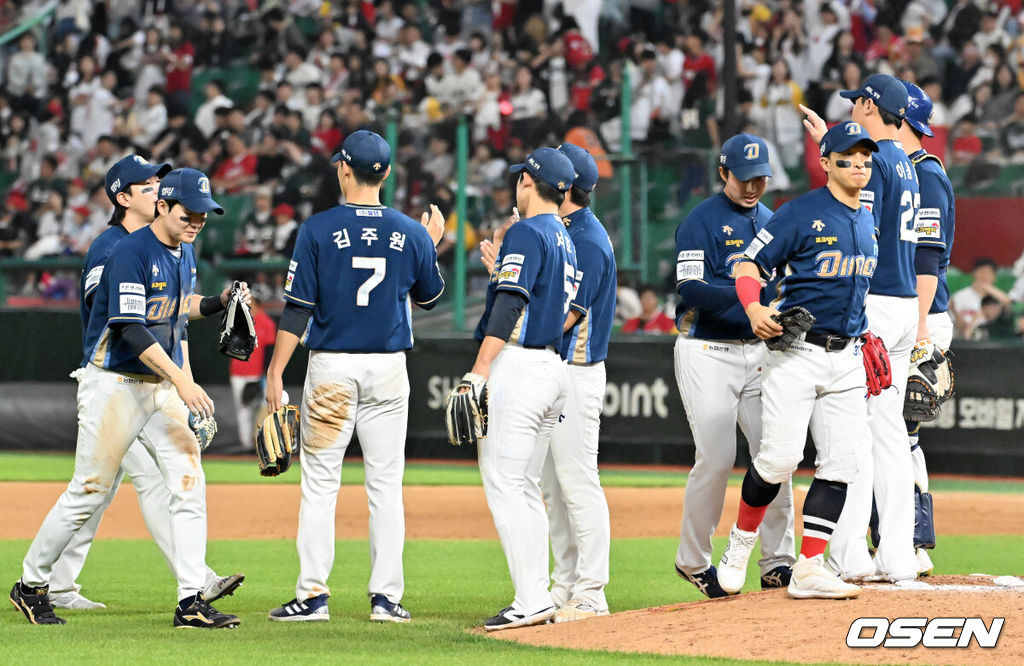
x: 893, y: 197
x: 587, y: 341
x: 936, y: 221
x: 537, y: 259
x: 95, y: 260
x: 144, y: 282
x: 357, y: 267
x: 709, y: 244
x: 826, y: 253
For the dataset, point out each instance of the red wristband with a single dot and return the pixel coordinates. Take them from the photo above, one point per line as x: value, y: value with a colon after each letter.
x: 748, y: 289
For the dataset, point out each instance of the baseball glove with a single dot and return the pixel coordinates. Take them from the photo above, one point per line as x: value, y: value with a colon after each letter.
x: 794, y: 322
x: 929, y: 384
x: 277, y: 439
x: 237, y: 332
x: 204, y: 429
x: 465, y: 413
x: 876, y: 363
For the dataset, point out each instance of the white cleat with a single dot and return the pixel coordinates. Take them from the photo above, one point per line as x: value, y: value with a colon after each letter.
x: 813, y: 580
x: 577, y: 609
x: 732, y: 568
x: 924, y: 563
x: 74, y: 601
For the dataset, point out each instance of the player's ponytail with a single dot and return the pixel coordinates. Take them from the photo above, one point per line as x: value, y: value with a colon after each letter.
x: 117, y: 217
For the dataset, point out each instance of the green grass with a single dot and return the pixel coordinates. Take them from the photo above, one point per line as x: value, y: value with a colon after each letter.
x: 16, y: 466
x: 452, y: 586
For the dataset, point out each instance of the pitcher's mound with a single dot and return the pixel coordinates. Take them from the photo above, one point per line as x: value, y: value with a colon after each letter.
x: 770, y: 626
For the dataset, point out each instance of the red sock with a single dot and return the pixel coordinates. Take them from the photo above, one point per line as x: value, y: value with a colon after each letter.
x: 812, y: 546
x: 750, y: 517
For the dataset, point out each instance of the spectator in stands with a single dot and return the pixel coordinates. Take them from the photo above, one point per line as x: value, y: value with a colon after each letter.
x: 649, y: 123
x: 940, y: 112
x: 257, y: 233
x: 298, y: 72
x: 777, y: 113
x: 627, y: 300
x: 838, y: 108
x: 180, y: 135
x: 39, y: 191
x: 178, y: 65
x: 529, y: 108
x: 960, y: 73
x: 147, y: 121
x: 966, y: 303
x: 285, y: 231
x: 26, y: 75
x: 51, y: 230
x: 327, y: 136
x: 103, y: 157
x: 438, y: 160
x: 220, y: 47
x: 248, y: 378
x: 238, y: 170
x: 485, y: 168
x: 461, y: 85
x: 1011, y: 131
x: 697, y: 60
x: 215, y: 99
x: 652, y: 319
x: 388, y: 25
x: 11, y: 240
x: 995, y: 321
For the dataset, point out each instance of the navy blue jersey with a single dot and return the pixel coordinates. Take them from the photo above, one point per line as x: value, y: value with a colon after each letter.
x: 95, y: 260
x: 825, y: 253
x: 144, y: 282
x: 537, y: 259
x: 893, y: 197
x: 709, y: 243
x: 587, y: 341
x: 357, y: 267
x: 936, y: 221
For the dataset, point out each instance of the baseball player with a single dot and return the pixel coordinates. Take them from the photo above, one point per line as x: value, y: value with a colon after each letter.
x: 824, y: 247
x: 893, y: 197
x: 578, y: 521
x: 718, y: 363
x: 137, y: 378
x: 131, y: 185
x: 528, y: 298
x: 347, y: 293
x: 936, y: 222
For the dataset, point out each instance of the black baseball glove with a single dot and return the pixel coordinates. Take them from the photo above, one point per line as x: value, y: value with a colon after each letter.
x: 794, y: 321
x: 277, y: 439
x: 237, y: 332
x: 465, y: 413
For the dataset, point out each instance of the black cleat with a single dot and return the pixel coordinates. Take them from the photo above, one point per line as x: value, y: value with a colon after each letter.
x: 706, y: 582
x: 777, y: 577
x: 34, y: 602
x: 201, y: 615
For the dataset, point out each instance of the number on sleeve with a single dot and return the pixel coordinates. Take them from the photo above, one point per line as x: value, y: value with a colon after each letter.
x: 571, y: 285
x: 379, y: 267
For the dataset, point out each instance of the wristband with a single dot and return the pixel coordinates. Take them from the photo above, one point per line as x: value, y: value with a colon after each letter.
x: 210, y: 305
x: 748, y: 290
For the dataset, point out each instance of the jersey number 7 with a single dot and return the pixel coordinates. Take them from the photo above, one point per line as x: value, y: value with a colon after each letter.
x: 379, y: 267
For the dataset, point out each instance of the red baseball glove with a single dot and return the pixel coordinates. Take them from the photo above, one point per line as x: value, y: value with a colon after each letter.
x: 876, y: 364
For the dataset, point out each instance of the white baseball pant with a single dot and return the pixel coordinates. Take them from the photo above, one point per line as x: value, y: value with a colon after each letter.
x: 367, y: 394
x: 113, y: 410
x: 720, y: 383
x: 526, y: 394
x: 578, y: 519
x: 246, y: 411
x: 886, y: 469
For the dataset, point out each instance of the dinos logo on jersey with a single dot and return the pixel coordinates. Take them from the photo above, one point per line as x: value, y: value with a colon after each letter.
x: 833, y: 264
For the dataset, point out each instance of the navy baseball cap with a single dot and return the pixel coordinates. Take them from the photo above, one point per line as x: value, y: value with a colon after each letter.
x: 365, y: 151
x: 129, y: 170
x: 844, y: 136
x: 919, y: 109
x: 191, y: 189
x: 548, y: 166
x: 583, y: 164
x: 746, y: 156
x: 885, y: 91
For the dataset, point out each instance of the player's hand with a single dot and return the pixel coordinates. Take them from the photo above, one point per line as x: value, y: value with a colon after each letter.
x: 761, y: 321
x: 195, y: 399
x: 499, y: 233
x: 488, y: 254
x: 434, y: 222
x: 813, y: 123
x: 226, y: 294
x: 275, y: 387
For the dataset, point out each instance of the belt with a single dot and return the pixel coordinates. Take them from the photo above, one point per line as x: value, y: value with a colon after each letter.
x: 550, y: 348
x: 831, y: 343
x: 148, y: 379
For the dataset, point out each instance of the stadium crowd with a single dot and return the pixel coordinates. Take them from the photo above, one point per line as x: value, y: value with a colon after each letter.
x: 260, y: 94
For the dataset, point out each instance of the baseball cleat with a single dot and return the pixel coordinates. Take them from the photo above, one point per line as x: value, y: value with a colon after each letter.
x: 509, y: 618
x: 577, y: 609
x: 777, y: 577
x: 732, y: 568
x: 34, y: 602
x: 706, y: 582
x: 74, y: 601
x: 384, y: 610
x: 313, y: 609
x: 813, y: 580
x: 924, y: 563
x: 222, y: 587
x: 201, y: 615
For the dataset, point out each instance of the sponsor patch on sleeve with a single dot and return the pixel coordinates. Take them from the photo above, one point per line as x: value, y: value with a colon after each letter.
x: 132, y: 288
x: 754, y: 247
x: 93, y: 277
x: 765, y: 236
x: 689, y: 270
x: 929, y: 214
x: 132, y: 305
x: 292, y: 265
x: 513, y: 259
x: 510, y: 273
x: 288, y: 281
x: 691, y: 255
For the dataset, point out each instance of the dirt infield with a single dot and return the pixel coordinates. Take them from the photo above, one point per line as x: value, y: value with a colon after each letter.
x: 243, y: 511
x: 770, y: 626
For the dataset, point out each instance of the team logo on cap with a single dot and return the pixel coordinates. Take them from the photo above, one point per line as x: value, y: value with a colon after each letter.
x: 203, y: 184
x: 930, y: 116
x: 376, y: 166
x: 721, y: 158
x: 116, y: 185
x: 139, y: 159
x: 534, y: 163
x: 751, y: 151
x: 854, y: 129
x: 344, y: 153
x: 871, y: 91
x: 561, y: 184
